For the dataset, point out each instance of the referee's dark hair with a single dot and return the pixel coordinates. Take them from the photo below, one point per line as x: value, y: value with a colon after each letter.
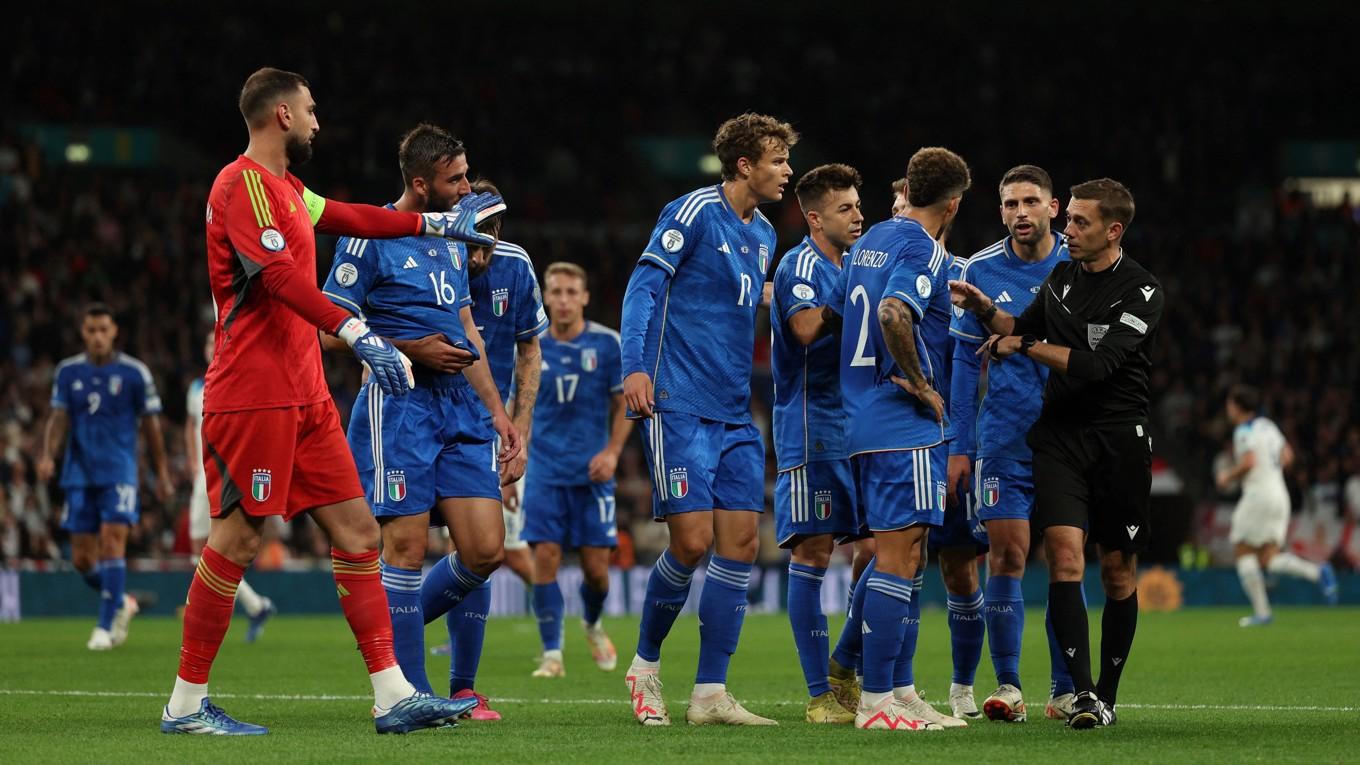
x: 423, y: 147
x: 1027, y: 174
x: 936, y: 175
x: 1245, y: 397
x: 1114, y: 200
x: 263, y: 91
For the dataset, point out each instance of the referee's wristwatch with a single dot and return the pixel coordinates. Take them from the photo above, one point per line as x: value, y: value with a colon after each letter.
x: 1027, y: 342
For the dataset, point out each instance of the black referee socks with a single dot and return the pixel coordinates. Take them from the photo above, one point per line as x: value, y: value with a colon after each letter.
x: 1070, y: 627
x: 1116, y: 638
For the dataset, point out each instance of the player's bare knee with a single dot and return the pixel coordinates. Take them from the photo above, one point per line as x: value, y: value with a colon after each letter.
x: 959, y: 578
x: 547, y: 559
x: 1006, y: 559
x: 1118, y: 575
x: 403, y: 550
x: 814, y: 551
x: 482, y: 559
x: 690, y: 545
x: 84, y: 562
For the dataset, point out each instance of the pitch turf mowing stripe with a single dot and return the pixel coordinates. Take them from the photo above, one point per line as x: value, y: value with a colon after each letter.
x: 619, y: 701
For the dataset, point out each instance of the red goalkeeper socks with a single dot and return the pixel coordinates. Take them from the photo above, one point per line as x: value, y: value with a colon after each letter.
x: 207, y: 614
x: 359, y: 585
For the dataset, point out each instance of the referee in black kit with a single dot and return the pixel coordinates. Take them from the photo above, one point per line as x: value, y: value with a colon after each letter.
x: 1092, y: 325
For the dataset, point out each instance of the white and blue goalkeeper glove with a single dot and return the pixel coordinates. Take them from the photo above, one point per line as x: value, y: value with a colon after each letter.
x: 461, y: 222
x: 390, y: 368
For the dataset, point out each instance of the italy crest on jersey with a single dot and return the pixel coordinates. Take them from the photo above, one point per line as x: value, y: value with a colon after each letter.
x: 115, y: 384
x: 763, y: 258
x: 939, y: 495
x: 454, y: 256
x: 589, y: 360
x: 821, y: 505
x: 679, y: 483
x: 500, y: 301
x: 261, y: 481
x: 991, y: 491
x: 396, y: 485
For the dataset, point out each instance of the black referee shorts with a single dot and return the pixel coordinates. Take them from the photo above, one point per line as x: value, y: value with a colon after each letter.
x: 1098, y: 479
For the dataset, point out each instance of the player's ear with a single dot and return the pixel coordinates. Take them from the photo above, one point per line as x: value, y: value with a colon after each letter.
x: 1053, y: 208
x: 814, y: 218
x: 283, y: 114
x: 1114, y: 231
x: 585, y: 298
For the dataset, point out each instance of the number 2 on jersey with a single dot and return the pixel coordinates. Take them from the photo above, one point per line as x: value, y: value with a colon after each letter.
x: 859, y: 294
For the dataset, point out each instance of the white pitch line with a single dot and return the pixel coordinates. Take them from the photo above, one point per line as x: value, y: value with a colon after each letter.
x: 620, y: 701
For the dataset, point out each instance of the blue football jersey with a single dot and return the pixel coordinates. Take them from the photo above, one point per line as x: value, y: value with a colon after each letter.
x: 808, y: 418
x: 404, y: 288
x: 507, y: 307
x: 1014, y: 387
x: 896, y: 258
x: 103, y: 405
x: 580, y: 378
x: 701, y: 334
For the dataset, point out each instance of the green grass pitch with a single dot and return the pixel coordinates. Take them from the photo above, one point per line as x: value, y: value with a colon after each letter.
x: 1198, y: 689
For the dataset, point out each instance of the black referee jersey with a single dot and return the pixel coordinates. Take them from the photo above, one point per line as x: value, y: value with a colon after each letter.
x: 1109, y: 319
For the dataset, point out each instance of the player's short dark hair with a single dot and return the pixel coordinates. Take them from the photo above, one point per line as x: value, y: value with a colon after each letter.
x: 263, y: 90
x: 1247, y: 398
x: 94, y: 310
x: 423, y: 147
x: 899, y: 186
x: 1027, y: 174
x: 490, y: 226
x: 813, y: 187
x: 748, y: 135
x: 935, y: 175
x: 1114, y: 199
x: 570, y: 269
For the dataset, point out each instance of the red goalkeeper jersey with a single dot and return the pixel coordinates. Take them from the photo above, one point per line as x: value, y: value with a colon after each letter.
x: 266, y: 352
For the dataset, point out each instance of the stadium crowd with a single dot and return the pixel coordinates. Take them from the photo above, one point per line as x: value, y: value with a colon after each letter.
x: 1258, y: 277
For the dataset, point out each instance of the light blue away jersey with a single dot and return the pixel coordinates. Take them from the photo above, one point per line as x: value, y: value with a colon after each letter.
x: 896, y: 258
x: 1015, y: 386
x: 808, y: 418
x: 701, y: 332
x: 403, y: 289
x: 580, y: 378
x: 507, y: 306
x: 103, y: 405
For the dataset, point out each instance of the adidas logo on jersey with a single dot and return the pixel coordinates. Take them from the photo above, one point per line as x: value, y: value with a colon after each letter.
x: 1004, y: 297
x: 410, y: 262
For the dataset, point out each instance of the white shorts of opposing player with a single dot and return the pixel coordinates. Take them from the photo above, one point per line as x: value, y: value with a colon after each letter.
x: 1261, y: 517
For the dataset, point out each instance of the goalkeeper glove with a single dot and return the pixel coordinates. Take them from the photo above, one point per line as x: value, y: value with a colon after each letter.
x: 390, y: 367
x: 461, y: 222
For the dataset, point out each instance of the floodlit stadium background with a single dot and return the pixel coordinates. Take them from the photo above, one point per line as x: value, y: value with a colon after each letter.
x: 1235, y: 129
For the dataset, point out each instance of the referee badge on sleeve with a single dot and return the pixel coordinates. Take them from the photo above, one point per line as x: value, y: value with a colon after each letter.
x: 1095, y: 333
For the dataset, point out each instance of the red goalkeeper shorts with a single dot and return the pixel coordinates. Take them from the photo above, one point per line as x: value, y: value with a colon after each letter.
x: 280, y: 461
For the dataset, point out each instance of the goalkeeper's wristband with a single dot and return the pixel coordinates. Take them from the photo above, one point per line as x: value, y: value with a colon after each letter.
x: 351, y: 330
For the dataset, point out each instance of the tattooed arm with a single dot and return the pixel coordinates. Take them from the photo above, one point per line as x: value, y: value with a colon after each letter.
x: 894, y: 316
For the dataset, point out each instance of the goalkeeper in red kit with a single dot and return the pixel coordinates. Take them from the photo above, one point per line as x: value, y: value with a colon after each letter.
x: 272, y: 442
